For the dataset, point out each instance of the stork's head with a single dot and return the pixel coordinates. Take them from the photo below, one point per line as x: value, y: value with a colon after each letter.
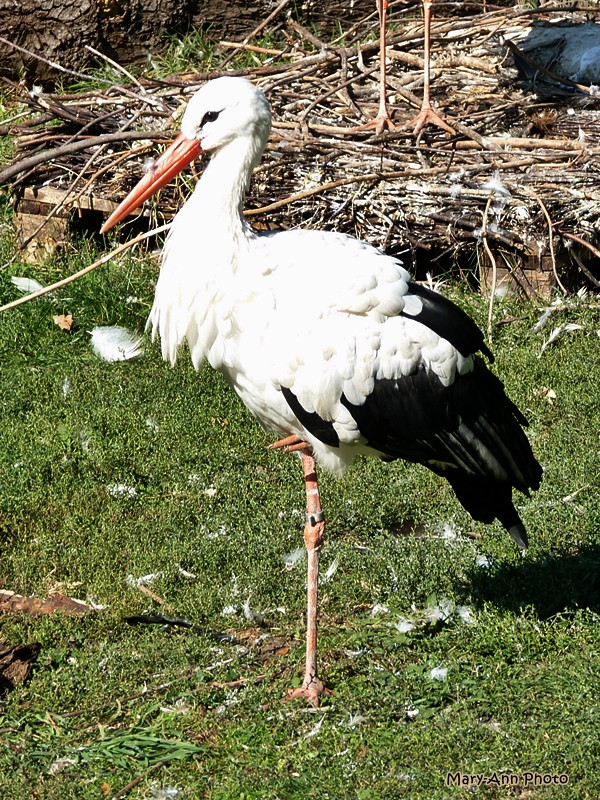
x: 221, y: 111
x: 226, y: 109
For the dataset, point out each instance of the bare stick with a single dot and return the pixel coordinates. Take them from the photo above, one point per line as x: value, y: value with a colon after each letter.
x: 115, y: 66
x: 490, y: 255
x: 93, y: 141
x: 550, y: 238
x: 85, y: 270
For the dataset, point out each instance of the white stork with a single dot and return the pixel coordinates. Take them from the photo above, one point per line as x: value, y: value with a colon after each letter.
x: 326, y: 340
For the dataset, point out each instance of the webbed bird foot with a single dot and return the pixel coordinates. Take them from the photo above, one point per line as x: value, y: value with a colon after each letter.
x: 311, y: 690
x: 381, y: 123
x: 427, y: 116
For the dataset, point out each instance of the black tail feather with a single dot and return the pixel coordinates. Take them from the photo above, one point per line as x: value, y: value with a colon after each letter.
x: 487, y: 500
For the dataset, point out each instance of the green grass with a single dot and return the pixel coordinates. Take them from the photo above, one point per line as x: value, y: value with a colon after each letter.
x: 108, y: 702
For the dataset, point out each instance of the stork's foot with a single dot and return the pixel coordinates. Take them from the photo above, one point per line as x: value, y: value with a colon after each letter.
x: 427, y: 116
x: 311, y: 690
x: 381, y: 123
x: 290, y: 444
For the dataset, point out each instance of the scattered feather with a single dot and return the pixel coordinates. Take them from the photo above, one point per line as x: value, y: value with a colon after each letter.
x: 439, y: 673
x: 441, y: 611
x: 554, y: 335
x: 448, y: 534
x: 291, y: 559
x: 143, y: 580
x: 66, y: 387
x: 568, y: 328
x: 466, y: 615
x: 354, y: 720
x: 314, y: 731
x: 542, y: 320
x: 494, y: 184
x: 115, y: 343
x: 163, y: 793
x: 211, y: 491
x: 152, y: 425
x: 85, y: 442
x: 60, y: 765
x: 185, y: 574
x: 228, y: 610
x: 180, y: 706
x: 251, y: 614
x: 379, y: 608
x: 332, y: 569
x: 27, y: 285
x: 121, y: 490
x: 404, y: 625
x: 521, y: 212
x: 483, y: 562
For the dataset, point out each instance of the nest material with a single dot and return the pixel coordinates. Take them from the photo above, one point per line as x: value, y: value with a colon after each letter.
x: 524, y: 161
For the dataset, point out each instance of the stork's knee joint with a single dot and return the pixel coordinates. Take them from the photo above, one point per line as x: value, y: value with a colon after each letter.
x: 313, y: 532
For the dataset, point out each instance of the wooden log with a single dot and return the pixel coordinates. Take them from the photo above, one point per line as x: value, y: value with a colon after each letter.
x: 33, y: 206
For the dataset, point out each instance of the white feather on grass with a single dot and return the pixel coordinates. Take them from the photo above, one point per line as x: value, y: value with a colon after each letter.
x: 327, y: 576
x: 568, y: 327
x: 115, y: 343
x: 291, y: 559
x: 26, y: 285
x: 438, y: 673
x: 542, y: 320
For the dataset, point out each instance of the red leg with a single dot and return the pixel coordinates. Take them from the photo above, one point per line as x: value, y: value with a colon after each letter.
x: 427, y: 116
x: 382, y: 120
x: 312, y: 688
x: 290, y: 444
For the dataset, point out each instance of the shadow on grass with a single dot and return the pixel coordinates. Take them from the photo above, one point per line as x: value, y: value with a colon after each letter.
x: 550, y: 584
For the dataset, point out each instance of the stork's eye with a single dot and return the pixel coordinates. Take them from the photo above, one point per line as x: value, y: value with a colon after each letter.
x: 210, y: 116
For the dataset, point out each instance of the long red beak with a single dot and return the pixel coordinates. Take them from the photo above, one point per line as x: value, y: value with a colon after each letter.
x: 177, y: 156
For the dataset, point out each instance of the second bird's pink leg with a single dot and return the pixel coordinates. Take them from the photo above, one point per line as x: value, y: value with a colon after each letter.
x: 427, y: 116
x: 382, y: 120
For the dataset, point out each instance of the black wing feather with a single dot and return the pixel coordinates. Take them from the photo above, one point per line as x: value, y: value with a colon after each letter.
x: 468, y: 432
x: 322, y: 429
x: 449, y: 321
